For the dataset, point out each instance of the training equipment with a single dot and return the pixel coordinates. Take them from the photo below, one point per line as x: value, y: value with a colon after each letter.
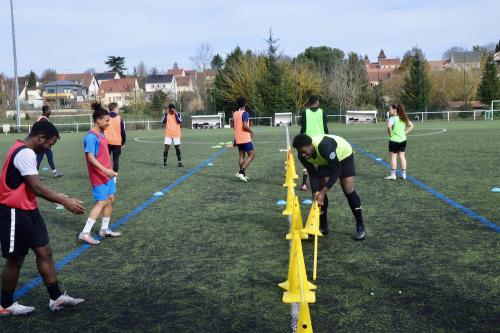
x: 281, y: 202
x: 64, y: 300
x: 304, y: 324
x: 283, y: 119
x: 495, y: 189
x: 361, y: 117
x: 298, y: 288
x: 16, y: 309
x: 312, y: 228
x: 158, y: 194
x: 296, y: 224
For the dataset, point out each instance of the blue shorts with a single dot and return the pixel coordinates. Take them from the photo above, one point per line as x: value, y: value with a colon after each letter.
x: 102, y: 192
x: 246, y: 147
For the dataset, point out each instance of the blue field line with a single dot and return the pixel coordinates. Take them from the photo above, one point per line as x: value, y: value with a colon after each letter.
x: 35, y: 282
x: 469, y: 212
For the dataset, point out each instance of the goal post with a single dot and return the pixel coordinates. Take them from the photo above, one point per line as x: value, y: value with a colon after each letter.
x: 488, y: 114
x: 206, y: 121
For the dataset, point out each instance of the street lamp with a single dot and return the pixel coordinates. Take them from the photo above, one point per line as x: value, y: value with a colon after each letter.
x: 18, y: 111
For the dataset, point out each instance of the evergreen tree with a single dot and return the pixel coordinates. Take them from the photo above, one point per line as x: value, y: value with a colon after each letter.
x: 116, y: 64
x: 489, y: 87
x: 217, y: 62
x: 416, y: 86
x: 32, y: 78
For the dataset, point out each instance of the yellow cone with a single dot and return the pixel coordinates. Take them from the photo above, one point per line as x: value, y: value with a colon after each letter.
x: 312, y: 224
x: 304, y: 324
x: 298, y: 288
x: 297, y: 223
x: 290, y: 198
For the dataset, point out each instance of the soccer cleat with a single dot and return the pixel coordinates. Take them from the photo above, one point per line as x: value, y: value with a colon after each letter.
x: 180, y: 165
x: 303, y: 188
x: 16, y: 309
x: 86, y: 237
x: 390, y: 177
x: 109, y: 233
x: 403, y: 176
x: 325, y: 231
x: 361, y: 233
x: 242, y: 177
x: 164, y: 165
x: 57, y: 174
x: 62, y: 301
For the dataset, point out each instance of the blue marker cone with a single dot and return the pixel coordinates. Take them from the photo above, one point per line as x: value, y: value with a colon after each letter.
x: 495, y: 189
x: 210, y: 164
x: 158, y: 194
x: 307, y: 202
x: 281, y: 202
x: 378, y: 159
x: 45, y: 169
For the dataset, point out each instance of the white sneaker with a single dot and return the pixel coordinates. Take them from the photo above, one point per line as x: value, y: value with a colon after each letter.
x: 16, y: 309
x: 390, y: 177
x: 109, y: 233
x: 63, y: 301
x: 85, y: 236
x: 403, y: 176
x: 242, y: 177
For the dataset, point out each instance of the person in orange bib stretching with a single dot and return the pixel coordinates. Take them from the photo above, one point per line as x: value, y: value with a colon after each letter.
x: 115, y: 135
x: 172, y: 121
x: 243, y: 138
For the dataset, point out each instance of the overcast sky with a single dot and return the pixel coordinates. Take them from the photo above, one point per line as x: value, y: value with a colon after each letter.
x: 74, y: 35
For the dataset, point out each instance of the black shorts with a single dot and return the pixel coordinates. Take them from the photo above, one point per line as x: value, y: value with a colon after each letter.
x: 396, y: 147
x: 21, y: 230
x: 347, y: 168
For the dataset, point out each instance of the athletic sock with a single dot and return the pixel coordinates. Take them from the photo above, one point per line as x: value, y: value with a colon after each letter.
x: 355, y: 204
x: 88, y: 226
x: 54, y: 291
x: 304, y: 179
x: 105, y: 223
x: 165, y: 156
x: 393, y: 172
x: 7, y: 298
x: 178, y: 153
x: 242, y: 171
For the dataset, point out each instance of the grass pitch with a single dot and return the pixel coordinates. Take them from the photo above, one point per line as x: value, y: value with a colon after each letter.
x: 208, y: 255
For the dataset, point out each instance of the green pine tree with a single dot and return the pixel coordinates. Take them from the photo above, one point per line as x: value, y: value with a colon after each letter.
x: 417, y: 85
x: 116, y: 64
x: 489, y: 87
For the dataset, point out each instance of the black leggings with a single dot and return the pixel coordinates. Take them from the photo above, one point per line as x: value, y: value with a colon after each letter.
x: 115, y: 151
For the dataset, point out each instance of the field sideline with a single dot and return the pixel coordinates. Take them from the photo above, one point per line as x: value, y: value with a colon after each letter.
x: 208, y: 255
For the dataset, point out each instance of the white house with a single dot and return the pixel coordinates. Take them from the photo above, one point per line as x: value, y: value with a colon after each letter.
x: 106, y: 76
x: 166, y: 83
x: 120, y: 91
x: 468, y: 60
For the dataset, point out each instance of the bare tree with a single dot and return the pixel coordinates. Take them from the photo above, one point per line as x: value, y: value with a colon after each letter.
x: 48, y: 75
x: 447, y: 53
x: 202, y: 57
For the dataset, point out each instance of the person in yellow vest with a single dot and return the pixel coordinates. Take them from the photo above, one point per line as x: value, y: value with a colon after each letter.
x: 398, y: 126
x: 313, y: 122
x: 172, y: 121
x: 243, y: 138
x: 115, y: 135
x: 328, y: 158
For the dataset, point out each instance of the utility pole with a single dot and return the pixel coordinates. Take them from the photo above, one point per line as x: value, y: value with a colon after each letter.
x: 18, y: 110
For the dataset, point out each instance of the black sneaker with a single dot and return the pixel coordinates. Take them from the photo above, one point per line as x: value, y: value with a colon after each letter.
x: 180, y: 165
x: 164, y: 165
x: 361, y: 233
x: 325, y: 231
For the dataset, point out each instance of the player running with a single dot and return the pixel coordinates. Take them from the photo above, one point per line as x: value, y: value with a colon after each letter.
x: 46, y: 112
x: 243, y: 136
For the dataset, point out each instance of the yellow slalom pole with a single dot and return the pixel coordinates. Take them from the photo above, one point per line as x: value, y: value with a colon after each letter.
x: 301, y: 283
x: 315, y: 266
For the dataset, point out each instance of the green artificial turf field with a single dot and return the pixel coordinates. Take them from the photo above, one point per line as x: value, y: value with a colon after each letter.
x: 208, y: 255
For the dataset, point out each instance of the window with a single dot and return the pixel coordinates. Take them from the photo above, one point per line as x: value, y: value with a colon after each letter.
x: 51, y: 90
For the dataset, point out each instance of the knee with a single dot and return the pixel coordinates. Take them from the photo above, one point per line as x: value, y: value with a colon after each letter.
x: 44, y: 253
x: 111, y: 201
